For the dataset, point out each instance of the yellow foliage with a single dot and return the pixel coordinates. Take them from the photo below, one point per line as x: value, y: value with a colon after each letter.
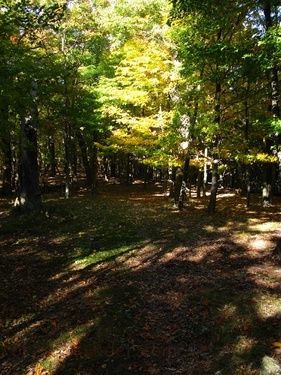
x: 257, y: 157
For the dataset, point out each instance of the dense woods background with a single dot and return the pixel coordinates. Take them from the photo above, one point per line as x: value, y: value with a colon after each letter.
x: 107, y: 107
x: 138, y: 89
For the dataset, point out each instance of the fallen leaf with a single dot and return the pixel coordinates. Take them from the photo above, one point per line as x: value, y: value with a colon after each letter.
x: 277, y: 344
x: 38, y: 369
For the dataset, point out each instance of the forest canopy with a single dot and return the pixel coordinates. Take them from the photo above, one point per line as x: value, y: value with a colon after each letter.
x: 126, y: 88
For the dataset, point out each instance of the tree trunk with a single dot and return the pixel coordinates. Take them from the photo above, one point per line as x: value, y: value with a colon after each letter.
x: 267, y: 184
x: 51, y: 146
x: 29, y: 197
x: 266, y: 195
x: 67, y: 171
x: 186, y: 169
x: 279, y: 172
x: 199, y: 182
x: 178, y: 198
x: 7, y: 164
x: 85, y: 159
x: 214, y: 188
x: 205, y: 172
x: 248, y: 185
x: 94, y: 168
x: 67, y: 144
x: 7, y: 151
x: 29, y: 194
x: 217, y: 120
x: 129, y: 170
x: 275, y: 106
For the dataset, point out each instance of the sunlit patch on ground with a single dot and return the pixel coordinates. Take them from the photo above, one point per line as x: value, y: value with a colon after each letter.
x: 260, y: 244
x: 244, y: 344
x: 61, y: 349
x: 266, y: 275
x: 267, y: 305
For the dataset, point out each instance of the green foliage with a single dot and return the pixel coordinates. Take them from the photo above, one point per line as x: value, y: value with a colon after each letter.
x: 256, y: 157
x: 135, y: 98
x: 226, y: 56
x: 117, y: 72
x: 276, y: 125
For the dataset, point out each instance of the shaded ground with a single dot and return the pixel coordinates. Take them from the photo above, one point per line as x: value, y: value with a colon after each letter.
x: 120, y: 283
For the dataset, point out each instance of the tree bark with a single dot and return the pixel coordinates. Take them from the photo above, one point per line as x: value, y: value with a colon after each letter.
x: 7, y: 164
x: 275, y: 105
x: 51, y: 146
x: 275, y: 108
x: 248, y: 185
x: 199, y: 182
x: 29, y: 194
x: 217, y: 120
x: 67, y: 167
x: 214, y: 188
x: 94, y: 168
x: 7, y: 151
x: 178, y: 198
x: 85, y: 159
x: 205, y: 172
x: 67, y: 143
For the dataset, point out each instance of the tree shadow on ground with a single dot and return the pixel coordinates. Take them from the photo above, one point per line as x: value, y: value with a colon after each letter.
x: 164, y: 293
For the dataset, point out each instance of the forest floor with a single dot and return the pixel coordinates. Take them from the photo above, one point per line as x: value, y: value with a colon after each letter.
x: 120, y: 283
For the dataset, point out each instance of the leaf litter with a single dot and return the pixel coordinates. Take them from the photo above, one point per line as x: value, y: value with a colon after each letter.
x: 160, y: 292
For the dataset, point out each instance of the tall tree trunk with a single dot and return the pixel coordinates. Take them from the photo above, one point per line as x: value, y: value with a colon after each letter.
x: 85, y: 159
x: 51, y: 146
x: 129, y: 170
x: 67, y: 143
x: 217, y: 119
x: 279, y: 171
x: 178, y: 198
x: 199, y: 182
x: 248, y: 174
x: 267, y: 184
x: 67, y: 162
x: 248, y: 185
x: 205, y: 172
x: 213, y: 196
x: 7, y: 164
x: 94, y: 167
x: 29, y: 194
x: 275, y: 109
x: 29, y: 197
x: 186, y: 169
x: 275, y: 104
x: 7, y: 151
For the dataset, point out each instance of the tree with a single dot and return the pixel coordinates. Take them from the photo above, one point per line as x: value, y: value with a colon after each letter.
x: 83, y: 48
x: 136, y: 94
x: 272, y: 52
x: 20, y: 30
x: 217, y: 48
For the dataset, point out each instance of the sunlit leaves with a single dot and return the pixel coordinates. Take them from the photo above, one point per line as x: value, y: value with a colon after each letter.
x: 136, y: 97
x: 256, y: 157
x: 226, y: 46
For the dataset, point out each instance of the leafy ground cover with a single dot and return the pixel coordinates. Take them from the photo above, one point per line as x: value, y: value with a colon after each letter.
x: 120, y: 283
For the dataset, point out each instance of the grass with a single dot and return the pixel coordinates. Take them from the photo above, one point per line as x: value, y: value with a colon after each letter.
x: 122, y: 284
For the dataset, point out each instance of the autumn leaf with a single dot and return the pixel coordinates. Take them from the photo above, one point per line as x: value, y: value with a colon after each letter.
x: 247, y: 327
x: 277, y: 344
x: 38, y: 369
